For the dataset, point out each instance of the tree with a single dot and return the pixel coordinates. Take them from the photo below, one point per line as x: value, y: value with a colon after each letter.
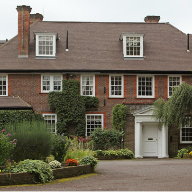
x: 176, y: 109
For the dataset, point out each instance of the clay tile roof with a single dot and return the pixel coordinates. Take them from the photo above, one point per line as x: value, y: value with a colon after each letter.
x: 13, y: 103
x: 95, y: 46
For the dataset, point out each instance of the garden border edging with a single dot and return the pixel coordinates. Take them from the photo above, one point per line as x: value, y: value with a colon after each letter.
x: 26, y: 178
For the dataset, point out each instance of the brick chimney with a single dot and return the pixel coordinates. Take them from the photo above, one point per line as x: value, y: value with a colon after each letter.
x: 152, y: 19
x: 35, y: 17
x: 23, y: 30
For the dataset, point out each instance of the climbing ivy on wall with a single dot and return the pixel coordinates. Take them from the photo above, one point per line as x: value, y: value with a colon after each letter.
x: 16, y: 116
x: 119, y: 117
x: 71, y: 107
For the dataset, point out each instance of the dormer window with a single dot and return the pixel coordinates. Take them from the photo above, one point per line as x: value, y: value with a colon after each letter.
x: 132, y: 45
x: 46, y: 44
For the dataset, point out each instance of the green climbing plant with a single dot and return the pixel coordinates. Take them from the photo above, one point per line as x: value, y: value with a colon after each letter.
x: 119, y: 117
x: 71, y: 107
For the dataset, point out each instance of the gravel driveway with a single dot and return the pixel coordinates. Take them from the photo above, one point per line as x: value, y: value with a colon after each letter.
x: 126, y: 175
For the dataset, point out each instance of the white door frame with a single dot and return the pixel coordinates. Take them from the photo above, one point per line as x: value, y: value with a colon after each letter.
x: 141, y: 118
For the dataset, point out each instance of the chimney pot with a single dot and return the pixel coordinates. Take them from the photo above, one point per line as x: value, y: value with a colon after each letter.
x: 152, y: 19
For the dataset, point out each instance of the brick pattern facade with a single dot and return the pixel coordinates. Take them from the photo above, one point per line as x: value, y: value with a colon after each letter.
x: 28, y: 87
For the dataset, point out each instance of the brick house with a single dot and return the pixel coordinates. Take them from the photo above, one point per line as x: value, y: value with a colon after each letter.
x: 120, y: 63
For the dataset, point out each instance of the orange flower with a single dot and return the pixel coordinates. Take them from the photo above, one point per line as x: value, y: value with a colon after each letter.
x: 71, y: 162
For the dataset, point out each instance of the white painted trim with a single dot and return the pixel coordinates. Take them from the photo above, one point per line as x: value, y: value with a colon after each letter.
x: 102, y: 119
x: 81, y: 90
x: 6, y: 85
x: 181, y: 137
x: 180, y: 76
x: 37, y: 44
x: 153, y: 86
x: 125, y: 35
x: 122, y: 87
x: 141, y: 120
x: 49, y: 114
x: 51, y: 82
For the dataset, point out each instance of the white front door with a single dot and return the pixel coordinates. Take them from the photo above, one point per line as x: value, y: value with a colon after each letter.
x: 150, y: 136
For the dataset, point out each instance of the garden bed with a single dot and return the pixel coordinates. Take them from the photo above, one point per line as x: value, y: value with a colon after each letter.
x: 187, y: 156
x: 111, y: 157
x: 26, y: 178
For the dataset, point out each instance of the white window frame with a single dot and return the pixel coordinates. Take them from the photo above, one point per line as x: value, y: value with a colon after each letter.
x: 51, y: 114
x: 188, y: 126
x: 51, y: 82
x: 6, y: 76
x: 93, y: 95
x: 37, y: 44
x: 122, y: 86
x: 168, y: 82
x: 102, y: 119
x: 153, y: 87
x: 125, y: 44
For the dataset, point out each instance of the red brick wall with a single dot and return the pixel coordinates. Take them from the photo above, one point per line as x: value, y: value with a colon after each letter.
x: 28, y: 87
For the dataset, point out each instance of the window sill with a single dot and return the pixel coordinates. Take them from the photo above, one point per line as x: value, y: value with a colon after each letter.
x: 45, y: 57
x: 134, y: 58
x: 145, y: 98
x: 116, y: 98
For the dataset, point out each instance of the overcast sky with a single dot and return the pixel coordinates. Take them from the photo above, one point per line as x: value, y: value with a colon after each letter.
x: 176, y: 12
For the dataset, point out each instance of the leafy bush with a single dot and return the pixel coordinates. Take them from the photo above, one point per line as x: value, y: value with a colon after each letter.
x: 119, y: 117
x: 183, y: 151
x: 78, y: 154
x: 55, y: 164
x: 106, y: 139
x: 41, y: 171
x: 89, y: 160
x: 71, y: 162
x: 34, y: 140
x: 78, y: 148
x: 9, y: 166
x: 60, y: 147
x: 6, y: 147
x: 128, y: 154
x: 17, y: 116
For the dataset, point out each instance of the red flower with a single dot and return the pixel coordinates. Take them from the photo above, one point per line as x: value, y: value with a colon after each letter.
x: 71, y: 162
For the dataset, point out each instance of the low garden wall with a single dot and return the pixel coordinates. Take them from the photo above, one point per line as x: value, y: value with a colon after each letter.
x: 111, y: 157
x: 187, y: 156
x: 26, y: 178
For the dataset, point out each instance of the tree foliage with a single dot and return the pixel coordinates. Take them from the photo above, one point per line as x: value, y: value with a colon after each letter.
x: 119, y: 117
x: 176, y: 109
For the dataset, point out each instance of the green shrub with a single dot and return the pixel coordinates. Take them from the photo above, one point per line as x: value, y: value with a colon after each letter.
x: 89, y: 160
x: 33, y: 140
x: 60, y: 147
x: 119, y: 117
x: 55, y: 164
x: 6, y: 147
x: 41, y: 171
x: 106, y: 139
x: 183, y: 151
x: 126, y: 153
x: 17, y: 116
x: 78, y: 154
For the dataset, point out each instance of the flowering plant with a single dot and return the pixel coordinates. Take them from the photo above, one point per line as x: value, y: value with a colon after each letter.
x: 71, y: 162
x: 6, y: 146
x: 55, y: 164
x: 190, y: 153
